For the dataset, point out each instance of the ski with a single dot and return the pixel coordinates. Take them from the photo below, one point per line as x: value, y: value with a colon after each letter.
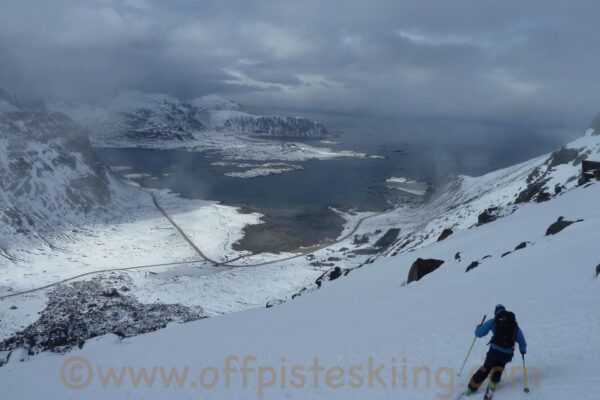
x: 489, y: 393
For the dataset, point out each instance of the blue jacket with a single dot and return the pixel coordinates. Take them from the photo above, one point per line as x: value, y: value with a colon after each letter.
x: 490, y: 325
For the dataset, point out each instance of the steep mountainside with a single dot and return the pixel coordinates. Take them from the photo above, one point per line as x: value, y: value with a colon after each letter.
x: 49, y: 174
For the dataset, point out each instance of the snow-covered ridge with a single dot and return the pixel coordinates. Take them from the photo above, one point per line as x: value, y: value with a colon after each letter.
x: 159, y: 120
x: 462, y: 202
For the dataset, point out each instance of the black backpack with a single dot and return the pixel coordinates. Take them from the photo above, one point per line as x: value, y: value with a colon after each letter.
x: 505, y: 331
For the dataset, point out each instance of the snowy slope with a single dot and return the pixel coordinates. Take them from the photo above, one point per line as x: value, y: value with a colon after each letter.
x: 549, y: 284
x: 461, y: 202
x: 49, y: 175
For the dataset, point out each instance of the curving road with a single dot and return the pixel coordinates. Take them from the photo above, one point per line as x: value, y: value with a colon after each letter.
x: 203, y: 257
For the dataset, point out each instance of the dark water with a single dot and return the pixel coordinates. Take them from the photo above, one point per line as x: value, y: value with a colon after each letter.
x: 295, y: 204
x: 347, y: 182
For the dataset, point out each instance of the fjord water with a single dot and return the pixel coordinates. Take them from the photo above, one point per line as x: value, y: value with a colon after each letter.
x: 296, y: 204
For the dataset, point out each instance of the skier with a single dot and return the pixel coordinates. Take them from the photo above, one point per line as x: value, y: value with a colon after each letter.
x: 505, y: 332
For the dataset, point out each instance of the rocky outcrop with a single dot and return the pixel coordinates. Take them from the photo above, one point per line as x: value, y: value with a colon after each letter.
x: 487, y: 216
x: 473, y: 265
x: 445, y: 233
x: 559, y: 225
x: 422, y: 267
x: 537, y: 183
x: 520, y: 246
x: 328, y: 276
x: 83, y: 310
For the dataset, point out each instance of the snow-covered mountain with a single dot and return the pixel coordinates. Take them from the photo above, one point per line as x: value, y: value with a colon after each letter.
x: 147, y: 120
x: 49, y: 174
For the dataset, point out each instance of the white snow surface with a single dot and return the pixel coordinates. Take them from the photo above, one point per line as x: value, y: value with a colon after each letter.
x: 369, y: 313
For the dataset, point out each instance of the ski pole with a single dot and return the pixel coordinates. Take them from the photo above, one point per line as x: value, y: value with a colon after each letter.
x: 526, y: 388
x: 470, y: 348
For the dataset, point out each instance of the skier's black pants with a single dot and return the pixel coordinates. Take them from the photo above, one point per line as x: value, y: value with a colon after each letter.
x: 494, y: 364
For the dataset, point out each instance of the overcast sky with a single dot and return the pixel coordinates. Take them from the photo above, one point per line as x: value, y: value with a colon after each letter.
x: 529, y: 62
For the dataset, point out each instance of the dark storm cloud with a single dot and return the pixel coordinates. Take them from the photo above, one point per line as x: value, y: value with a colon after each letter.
x: 516, y: 61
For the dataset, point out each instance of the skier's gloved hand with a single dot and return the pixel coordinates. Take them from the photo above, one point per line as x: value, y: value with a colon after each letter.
x: 523, y: 352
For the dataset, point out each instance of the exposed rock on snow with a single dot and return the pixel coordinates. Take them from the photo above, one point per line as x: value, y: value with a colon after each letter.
x: 86, y: 309
x: 445, y: 233
x: 540, y: 185
x: 422, y: 267
x: 330, y: 275
x: 473, y: 265
x: 487, y: 216
x: 559, y: 225
x: 520, y: 246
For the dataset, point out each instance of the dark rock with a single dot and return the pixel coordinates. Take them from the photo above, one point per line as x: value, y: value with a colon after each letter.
x: 330, y: 275
x: 507, y: 253
x: 559, y: 225
x: 422, y: 267
x: 333, y: 259
x: 13, y: 307
x: 520, y: 246
x: 597, y: 270
x: 457, y: 256
x: 445, y: 233
x: 386, y: 240
x: 487, y: 216
x: 535, y: 191
x: 473, y: 265
x: 486, y: 257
